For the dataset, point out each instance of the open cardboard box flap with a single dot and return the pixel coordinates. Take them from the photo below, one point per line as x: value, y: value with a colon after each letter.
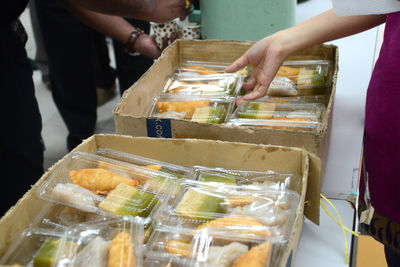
x: 208, y: 153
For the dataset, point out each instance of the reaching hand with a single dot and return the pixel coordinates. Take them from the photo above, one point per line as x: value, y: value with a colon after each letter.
x: 266, y: 56
x: 166, y: 10
x: 146, y: 45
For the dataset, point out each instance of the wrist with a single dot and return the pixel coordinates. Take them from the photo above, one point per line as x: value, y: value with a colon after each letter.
x: 131, y: 43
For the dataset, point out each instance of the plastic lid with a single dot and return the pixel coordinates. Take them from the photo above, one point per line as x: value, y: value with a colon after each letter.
x: 198, y: 109
x: 105, y: 186
x: 223, y: 84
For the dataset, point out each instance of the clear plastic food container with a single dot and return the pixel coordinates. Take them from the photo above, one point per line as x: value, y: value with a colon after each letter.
x: 175, y: 171
x: 56, y: 216
x: 248, y: 180
x: 40, y: 248
x: 301, y: 77
x: 279, y: 116
x: 176, y: 246
x: 197, y: 109
x: 201, y: 68
x: 109, y: 243
x: 105, y: 186
x: 257, y: 212
x: 220, y: 85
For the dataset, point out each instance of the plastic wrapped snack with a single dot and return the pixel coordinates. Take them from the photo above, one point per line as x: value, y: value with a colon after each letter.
x: 175, y: 171
x: 56, y: 216
x: 216, y: 85
x: 40, y: 248
x: 268, y: 180
x: 114, y: 243
x: 201, y: 68
x: 258, y: 212
x: 301, y: 77
x: 204, y: 110
x: 107, y: 186
x: 279, y: 116
x: 176, y: 247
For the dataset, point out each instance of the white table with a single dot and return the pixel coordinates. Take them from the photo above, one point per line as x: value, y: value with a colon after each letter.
x: 324, y: 245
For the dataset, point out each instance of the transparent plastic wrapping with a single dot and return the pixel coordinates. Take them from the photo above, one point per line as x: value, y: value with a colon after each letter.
x: 256, y: 213
x: 302, y: 77
x: 175, y: 171
x: 110, y: 243
x: 56, y: 216
x: 108, y: 187
x: 178, y: 248
x: 40, y: 248
x: 279, y: 116
x: 201, y: 68
x: 268, y: 180
x: 198, y: 109
x: 216, y: 85
x: 322, y: 99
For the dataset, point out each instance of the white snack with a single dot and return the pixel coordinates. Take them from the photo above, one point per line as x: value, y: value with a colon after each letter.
x: 282, y: 86
x: 226, y: 255
x: 95, y: 253
x: 270, y: 215
x: 172, y: 114
x: 76, y: 195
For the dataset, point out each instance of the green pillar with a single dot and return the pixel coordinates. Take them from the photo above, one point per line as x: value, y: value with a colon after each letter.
x: 245, y: 19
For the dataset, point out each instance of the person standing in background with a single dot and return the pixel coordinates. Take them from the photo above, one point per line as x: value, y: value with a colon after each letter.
x: 21, y: 159
x: 379, y: 196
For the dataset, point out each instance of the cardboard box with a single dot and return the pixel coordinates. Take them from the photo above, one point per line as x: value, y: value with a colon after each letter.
x: 189, y: 152
x: 131, y: 112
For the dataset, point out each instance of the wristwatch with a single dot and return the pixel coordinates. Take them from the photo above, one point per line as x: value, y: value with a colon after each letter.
x: 130, y: 44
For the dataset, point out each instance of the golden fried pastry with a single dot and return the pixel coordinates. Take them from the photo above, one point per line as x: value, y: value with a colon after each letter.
x: 290, y: 72
x: 256, y: 257
x: 244, y: 221
x: 153, y: 167
x: 178, y: 246
x: 235, y: 201
x: 201, y: 70
x: 99, y: 181
x: 187, y: 106
x: 120, y: 251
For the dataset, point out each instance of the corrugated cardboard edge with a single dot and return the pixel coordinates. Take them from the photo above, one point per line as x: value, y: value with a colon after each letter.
x: 12, y: 222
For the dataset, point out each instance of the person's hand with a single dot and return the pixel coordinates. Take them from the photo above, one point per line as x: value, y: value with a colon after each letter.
x: 146, y: 45
x: 266, y: 56
x: 166, y: 10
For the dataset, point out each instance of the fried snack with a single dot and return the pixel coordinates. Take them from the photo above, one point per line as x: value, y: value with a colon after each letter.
x: 256, y: 257
x: 235, y: 201
x: 120, y: 251
x: 128, y: 200
x: 154, y: 167
x: 188, y: 107
x: 244, y: 221
x: 200, y: 206
x: 178, y: 246
x: 99, y: 181
x: 289, y: 72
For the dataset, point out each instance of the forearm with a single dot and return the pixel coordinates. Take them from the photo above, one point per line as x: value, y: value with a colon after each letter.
x: 326, y: 27
x: 138, y: 9
x: 115, y: 27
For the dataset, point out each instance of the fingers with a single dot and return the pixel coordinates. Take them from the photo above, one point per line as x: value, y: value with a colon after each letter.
x: 259, y: 91
x: 250, y: 85
x: 238, y: 64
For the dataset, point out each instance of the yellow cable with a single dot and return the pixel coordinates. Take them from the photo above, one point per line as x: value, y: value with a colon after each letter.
x: 340, y: 223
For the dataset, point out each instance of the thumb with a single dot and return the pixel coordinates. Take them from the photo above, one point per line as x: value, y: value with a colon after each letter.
x: 238, y: 64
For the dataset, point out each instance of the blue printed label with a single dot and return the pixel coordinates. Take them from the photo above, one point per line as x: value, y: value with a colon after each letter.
x: 160, y: 128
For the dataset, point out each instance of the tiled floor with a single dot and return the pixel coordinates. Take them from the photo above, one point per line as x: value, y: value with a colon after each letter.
x: 54, y: 130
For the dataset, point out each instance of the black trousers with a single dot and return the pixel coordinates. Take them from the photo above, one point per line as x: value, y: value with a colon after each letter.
x: 72, y: 53
x: 21, y: 157
x: 392, y: 257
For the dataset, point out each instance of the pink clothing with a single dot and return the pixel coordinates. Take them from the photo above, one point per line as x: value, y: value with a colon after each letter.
x: 382, y: 126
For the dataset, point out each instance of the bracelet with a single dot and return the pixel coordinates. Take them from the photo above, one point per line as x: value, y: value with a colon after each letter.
x: 130, y: 44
